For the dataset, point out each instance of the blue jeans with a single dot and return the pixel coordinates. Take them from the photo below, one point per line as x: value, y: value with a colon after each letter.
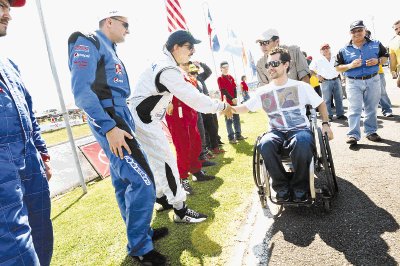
x: 300, y: 145
x: 358, y: 92
x: 329, y: 88
x: 236, y: 124
x: 385, y: 101
x: 245, y: 95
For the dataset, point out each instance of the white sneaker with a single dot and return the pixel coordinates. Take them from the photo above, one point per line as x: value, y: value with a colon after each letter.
x: 186, y: 186
x: 191, y: 216
x: 388, y: 115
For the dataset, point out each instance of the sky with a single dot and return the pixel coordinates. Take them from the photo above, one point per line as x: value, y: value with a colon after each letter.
x: 306, y: 25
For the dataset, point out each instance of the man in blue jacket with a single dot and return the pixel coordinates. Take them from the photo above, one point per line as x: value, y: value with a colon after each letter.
x: 100, y: 86
x: 26, y: 232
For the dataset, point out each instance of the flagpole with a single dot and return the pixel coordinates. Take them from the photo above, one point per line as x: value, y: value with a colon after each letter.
x: 61, y: 98
x: 212, y: 52
x: 233, y: 62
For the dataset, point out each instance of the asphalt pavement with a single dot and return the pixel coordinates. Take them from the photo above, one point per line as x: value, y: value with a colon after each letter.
x: 363, y: 225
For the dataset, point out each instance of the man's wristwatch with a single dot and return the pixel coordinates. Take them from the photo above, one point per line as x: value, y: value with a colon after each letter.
x: 326, y: 123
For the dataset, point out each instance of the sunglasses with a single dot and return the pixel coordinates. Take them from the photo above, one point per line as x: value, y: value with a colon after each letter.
x: 275, y: 63
x: 264, y: 43
x: 357, y: 30
x: 190, y: 46
x: 125, y: 24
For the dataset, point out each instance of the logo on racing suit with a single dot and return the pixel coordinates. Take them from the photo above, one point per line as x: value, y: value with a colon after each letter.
x: 118, y: 69
x: 138, y: 170
x: 81, y: 63
x: 81, y: 55
x: 117, y: 80
x: 82, y: 48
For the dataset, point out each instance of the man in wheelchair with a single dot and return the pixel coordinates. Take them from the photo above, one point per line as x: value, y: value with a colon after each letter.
x: 284, y: 100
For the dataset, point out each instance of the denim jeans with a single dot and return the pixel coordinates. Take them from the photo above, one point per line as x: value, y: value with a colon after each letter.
x: 358, y: 92
x: 300, y: 144
x: 235, y: 121
x: 329, y: 88
x: 385, y: 101
x: 245, y: 95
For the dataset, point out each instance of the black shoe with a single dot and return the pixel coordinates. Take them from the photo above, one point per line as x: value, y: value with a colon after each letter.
x: 240, y: 137
x: 220, y: 143
x: 208, y: 163
x: 282, y: 196
x: 351, y: 140
x: 342, y: 117
x: 163, y: 204
x: 299, y: 196
x: 152, y: 258
x: 374, y: 137
x: 159, y: 233
x: 330, y: 118
x: 201, y: 176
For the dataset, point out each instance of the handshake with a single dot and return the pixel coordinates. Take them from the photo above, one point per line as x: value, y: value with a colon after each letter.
x: 229, y: 110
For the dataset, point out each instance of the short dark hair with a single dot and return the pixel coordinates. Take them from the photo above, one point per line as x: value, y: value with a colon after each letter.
x: 242, y: 78
x: 284, y: 55
x: 223, y: 63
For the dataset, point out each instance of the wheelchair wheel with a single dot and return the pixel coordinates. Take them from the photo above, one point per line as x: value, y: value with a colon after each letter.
x: 259, y: 176
x: 330, y: 161
x: 329, y: 175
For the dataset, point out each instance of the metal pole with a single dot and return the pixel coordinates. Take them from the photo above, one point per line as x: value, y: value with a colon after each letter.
x: 60, y: 97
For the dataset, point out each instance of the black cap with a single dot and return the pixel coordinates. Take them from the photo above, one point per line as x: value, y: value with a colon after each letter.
x: 179, y: 37
x: 223, y: 63
x: 357, y: 24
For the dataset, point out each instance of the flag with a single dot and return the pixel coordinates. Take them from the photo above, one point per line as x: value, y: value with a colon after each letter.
x: 252, y: 64
x: 175, y: 18
x: 233, y: 45
x: 244, y: 57
x: 214, y: 43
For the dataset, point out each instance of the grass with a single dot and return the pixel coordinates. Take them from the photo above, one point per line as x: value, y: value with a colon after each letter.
x: 89, y: 229
x: 61, y: 135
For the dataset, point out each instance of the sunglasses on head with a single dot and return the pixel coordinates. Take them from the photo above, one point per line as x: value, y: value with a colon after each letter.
x: 274, y: 63
x: 125, y: 24
x: 357, y: 30
x: 264, y: 43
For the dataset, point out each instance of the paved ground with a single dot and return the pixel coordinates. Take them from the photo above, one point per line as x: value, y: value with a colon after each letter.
x: 362, y: 228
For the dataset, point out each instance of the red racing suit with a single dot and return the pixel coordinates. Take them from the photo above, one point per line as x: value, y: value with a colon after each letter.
x: 185, y: 135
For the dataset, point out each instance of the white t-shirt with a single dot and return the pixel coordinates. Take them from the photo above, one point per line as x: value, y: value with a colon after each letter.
x: 324, y: 68
x: 285, y: 105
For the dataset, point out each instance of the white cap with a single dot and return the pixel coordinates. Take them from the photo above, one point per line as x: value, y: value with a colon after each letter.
x: 111, y: 13
x: 267, y: 35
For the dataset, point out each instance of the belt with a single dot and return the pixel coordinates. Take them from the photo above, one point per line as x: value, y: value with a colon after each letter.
x: 331, y: 79
x: 364, y: 77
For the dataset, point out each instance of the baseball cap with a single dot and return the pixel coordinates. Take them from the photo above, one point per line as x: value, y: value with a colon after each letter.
x: 179, y: 37
x: 357, y: 24
x: 223, y: 63
x: 111, y: 13
x: 17, y: 3
x: 193, y: 68
x: 325, y: 45
x: 267, y: 35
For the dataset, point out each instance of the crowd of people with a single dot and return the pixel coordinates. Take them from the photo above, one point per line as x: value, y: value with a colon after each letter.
x: 144, y: 170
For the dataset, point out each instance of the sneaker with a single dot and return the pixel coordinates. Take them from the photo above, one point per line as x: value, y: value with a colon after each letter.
x: 152, y: 258
x: 162, y: 204
x: 208, y: 163
x: 330, y: 118
x: 351, y: 140
x: 342, y: 117
x: 240, y: 137
x: 299, y: 196
x: 218, y: 150
x: 186, y: 186
x: 220, y: 143
x: 233, y: 141
x: 282, y: 196
x: 201, y: 176
x: 159, y: 233
x: 388, y: 115
x: 374, y: 137
x: 187, y: 215
x: 210, y: 155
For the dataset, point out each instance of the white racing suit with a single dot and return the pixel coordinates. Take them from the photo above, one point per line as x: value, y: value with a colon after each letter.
x: 148, y: 103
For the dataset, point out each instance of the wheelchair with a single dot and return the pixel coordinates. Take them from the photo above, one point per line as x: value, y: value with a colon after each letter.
x: 323, y: 183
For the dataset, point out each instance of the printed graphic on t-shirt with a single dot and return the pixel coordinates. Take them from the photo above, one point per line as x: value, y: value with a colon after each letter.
x: 276, y: 120
x: 268, y: 102
x: 293, y: 118
x: 288, y: 97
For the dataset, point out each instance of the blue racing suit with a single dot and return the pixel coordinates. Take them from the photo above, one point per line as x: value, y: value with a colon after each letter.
x: 100, y: 86
x: 26, y: 232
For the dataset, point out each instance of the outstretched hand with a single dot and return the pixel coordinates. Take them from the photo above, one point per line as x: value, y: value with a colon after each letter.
x: 116, y: 141
x: 229, y: 110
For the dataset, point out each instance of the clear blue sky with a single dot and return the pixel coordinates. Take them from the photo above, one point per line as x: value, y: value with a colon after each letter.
x: 307, y: 25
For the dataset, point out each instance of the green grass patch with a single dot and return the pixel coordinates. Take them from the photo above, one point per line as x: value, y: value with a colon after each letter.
x: 60, y: 135
x: 89, y: 229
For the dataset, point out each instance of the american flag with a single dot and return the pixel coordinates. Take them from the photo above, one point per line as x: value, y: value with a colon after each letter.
x: 175, y: 18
